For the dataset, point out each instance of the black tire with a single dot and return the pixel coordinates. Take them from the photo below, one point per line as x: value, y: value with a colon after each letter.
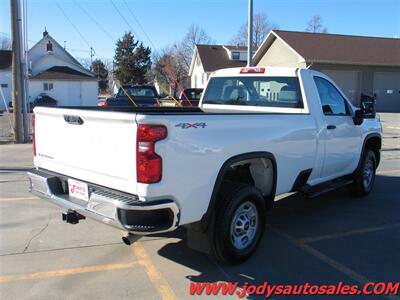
x: 237, y: 204
x: 364, y: 177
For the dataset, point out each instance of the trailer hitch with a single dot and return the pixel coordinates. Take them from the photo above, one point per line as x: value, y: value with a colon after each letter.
x: 72, y: 217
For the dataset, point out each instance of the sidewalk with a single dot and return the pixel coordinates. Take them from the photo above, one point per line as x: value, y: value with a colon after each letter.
x: 16, y: 156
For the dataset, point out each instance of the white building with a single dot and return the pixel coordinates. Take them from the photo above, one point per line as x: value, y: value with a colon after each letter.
x: 209, y: 58
x: 358, y: 64
x: 5, y: 77
x: 54, y: 72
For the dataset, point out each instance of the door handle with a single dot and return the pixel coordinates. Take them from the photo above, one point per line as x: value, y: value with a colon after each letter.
x: 330, y: 127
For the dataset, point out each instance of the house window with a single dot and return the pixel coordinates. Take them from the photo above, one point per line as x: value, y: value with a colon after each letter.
x: 4, y: 85
x: 236, y: 55
x: 48, y: 86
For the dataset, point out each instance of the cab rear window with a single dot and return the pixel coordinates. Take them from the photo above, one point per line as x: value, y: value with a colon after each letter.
x: 254, y: 91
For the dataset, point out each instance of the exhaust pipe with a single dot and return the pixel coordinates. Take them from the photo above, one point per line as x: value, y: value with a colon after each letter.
x: 130, y: 239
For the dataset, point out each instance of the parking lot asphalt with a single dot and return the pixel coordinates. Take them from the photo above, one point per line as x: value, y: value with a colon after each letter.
x: 324, y: 240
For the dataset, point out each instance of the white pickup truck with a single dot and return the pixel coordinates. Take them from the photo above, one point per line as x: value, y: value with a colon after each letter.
x: 257, y: 133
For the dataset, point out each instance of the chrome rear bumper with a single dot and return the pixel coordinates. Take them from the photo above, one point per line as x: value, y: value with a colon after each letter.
x: 115, y: 208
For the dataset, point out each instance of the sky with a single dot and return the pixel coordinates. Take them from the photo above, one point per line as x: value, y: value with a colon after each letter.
x: 159, y: 23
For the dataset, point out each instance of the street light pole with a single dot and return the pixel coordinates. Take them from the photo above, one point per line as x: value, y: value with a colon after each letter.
x: 250, y: 35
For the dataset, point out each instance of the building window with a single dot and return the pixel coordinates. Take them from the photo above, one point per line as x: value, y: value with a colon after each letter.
x: 48, y: 86
x: 49, y: 47
x: 4, y: 85
x: 236, y: 55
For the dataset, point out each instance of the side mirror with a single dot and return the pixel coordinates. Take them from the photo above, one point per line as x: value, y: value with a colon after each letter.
x: 358, y: 117
x: 368, y: 106
x: 367, y: 110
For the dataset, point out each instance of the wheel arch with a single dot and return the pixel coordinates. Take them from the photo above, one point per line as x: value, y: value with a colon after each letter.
x: 372, y: 141
x: 207, y: 217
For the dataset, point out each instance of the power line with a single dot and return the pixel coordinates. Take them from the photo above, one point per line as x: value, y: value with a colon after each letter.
x: 140, y: 25
x: 72, y: 24
x: 94, y: 21
x: 123, y: 18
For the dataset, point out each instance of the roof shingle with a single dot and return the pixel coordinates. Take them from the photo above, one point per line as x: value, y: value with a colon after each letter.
x: 62, y: 73
x: 5, y: 59
x: 347, y: 49
x: 215, y: 57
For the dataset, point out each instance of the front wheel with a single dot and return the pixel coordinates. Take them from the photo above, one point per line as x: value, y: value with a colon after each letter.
x: 365, y: 176
x: 239, y: 223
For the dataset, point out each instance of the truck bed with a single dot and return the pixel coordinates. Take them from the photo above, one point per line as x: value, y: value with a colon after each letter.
x: 144, y: 110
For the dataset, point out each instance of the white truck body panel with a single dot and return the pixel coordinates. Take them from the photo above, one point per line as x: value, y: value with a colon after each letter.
x: 103, y: 149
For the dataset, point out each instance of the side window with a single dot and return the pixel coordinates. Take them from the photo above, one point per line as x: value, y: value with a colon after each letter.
x: 332, y: 101
x: 236, y: 55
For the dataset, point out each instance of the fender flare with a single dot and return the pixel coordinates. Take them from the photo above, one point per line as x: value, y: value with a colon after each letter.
x: 367, y: 137
x: 207, y: 217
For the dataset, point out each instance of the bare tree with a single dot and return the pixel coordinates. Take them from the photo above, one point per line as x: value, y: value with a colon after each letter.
x: 5, y: 43
x: 168, y: 67
x: 172, y: 64
x: 261, y: 27
x: 184, y: 49
x: 315, y: 25
x: 85, y: 62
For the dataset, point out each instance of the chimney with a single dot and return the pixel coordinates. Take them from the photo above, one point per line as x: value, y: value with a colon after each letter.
x: 45, y: 33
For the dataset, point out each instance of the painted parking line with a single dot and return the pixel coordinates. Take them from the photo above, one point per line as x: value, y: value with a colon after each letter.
x: 18, y: 199
x: 67, y: 272
x: 347, y: 233
x: 388, y: 172
x: 155, y: 276
x: 329, y: 261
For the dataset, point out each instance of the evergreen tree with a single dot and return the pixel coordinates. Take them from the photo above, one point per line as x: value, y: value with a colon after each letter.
x: 99, y: 68
x: 132, y: 60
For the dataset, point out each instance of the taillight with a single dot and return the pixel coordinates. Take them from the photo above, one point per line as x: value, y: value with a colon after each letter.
x: 148, y: 162
x: 251, y: 70
x: 105, y: 104
x: 33, y: 135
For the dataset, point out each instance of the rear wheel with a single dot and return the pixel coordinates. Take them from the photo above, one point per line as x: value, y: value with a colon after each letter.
x: 239, y: 223
x: 365, y: 176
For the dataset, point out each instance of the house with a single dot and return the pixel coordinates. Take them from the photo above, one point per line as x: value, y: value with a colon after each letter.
x: 209, y: 58
x: 5, y: 77
x: 368, y: 65
x: 55, y: 72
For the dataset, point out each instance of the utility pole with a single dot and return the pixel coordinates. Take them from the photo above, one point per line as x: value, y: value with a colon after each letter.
x: 250, y: 35
x: 25, y: 72
x: 91, y: 56
x: 17, y: 76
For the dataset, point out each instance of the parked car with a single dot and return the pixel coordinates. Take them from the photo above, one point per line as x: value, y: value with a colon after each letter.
x: 190, y: 97
x: 44, y: 100
x: 141, y: 95
x: 257, y: 133
x: 11, y: 109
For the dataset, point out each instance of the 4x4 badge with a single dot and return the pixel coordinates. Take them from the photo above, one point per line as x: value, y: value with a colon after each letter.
x: 191, y: 125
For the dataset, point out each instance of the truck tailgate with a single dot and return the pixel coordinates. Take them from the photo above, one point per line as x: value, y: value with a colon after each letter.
x: 88, y: 145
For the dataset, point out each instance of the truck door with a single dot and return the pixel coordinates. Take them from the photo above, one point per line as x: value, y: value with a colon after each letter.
x: 342, y: 137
